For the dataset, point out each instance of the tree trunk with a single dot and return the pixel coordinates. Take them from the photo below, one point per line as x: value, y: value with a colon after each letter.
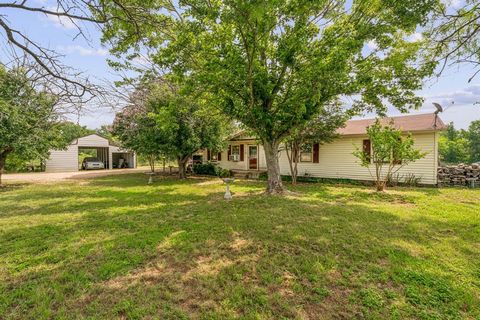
x: 380, y: 186
x: 275, y: 185
x: 2, y: 166
x: 164, y: 164
x: 380, y: 183
x: 182, y: 167
x: 292, y: 156
x: 296, y: 159
x: 151, y: 162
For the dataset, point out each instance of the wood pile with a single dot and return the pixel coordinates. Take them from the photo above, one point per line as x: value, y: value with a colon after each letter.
x: 458, y: 175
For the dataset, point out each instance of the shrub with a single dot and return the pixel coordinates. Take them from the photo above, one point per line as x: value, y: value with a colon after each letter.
x: 224, y: 173
x: 409, y: 180
x: 208, y: 169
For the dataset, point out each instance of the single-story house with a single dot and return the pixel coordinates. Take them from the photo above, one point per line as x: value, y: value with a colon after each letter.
x: 336, y: 159
x: 110, y: 154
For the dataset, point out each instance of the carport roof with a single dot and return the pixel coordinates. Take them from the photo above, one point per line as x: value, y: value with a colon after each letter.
x: 110, y: 142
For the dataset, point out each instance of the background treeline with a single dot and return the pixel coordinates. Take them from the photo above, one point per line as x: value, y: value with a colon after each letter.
x: 460, y: 146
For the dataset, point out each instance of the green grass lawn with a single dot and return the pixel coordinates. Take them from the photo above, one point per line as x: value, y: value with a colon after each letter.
x: 115, y: 247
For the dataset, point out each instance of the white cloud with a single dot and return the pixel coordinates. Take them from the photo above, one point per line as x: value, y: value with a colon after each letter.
x: 468, y: 96
x: 372, y: 45
x: 457, y: 3
x: 59, y: 21
x: 417, y: 36
x: 83, y: 51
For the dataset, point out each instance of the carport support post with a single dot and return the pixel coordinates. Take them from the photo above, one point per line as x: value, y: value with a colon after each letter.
x: 110, y: 159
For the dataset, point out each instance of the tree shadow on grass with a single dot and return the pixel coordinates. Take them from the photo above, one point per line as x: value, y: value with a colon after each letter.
x: 8, y: 187
x: 185, y: 253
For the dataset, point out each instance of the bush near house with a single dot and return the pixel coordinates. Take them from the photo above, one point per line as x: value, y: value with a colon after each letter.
x: 208, y: 169
x: 211, y: 169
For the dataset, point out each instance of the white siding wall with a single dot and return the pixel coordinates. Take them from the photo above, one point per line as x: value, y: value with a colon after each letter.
x: 261, y: 159
x: 67, y: 160
x: 242, y: 165
x: 63, y: 160
x: 337, y: 161
x: 92, y: 141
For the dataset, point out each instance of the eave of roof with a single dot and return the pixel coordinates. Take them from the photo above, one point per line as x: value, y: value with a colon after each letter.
x: 110, y: 143
x: 425, y: 122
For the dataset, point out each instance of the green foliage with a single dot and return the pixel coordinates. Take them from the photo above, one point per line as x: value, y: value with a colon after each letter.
x: 70, y: 131
x: 460, y: 146
x: 66, y: 132
x: 473, y: 136
x: 208, y: 169
x: 409, y: 179
x: 137, y: 130
x: 322, y: 129
x: 27, y: 119
x: 390, y: 151
x: 454, y: 35
x: 164, y: 120
x: 275, y: 65
x: 185, y: 124
x: 106, y: 131
x: 16, y: 163
x: 211, y: 169
x: 224, y: 173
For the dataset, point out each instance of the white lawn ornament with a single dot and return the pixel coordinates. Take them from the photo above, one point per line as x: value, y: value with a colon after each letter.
x: 228, y: 194
x: 150, y: 178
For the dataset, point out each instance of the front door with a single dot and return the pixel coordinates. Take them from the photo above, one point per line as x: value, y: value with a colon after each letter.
x: 252, y: 157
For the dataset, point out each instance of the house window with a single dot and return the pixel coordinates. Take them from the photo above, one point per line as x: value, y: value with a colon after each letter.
x: 236, y: 150
x: 306, y: 154
x: 367, y: 149
x: 396, y: 156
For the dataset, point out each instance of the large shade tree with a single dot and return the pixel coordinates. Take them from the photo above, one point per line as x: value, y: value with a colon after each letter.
x: 454, y: 33
x: 28, y: 121
x: 47, y: 64
x: 274, y: 65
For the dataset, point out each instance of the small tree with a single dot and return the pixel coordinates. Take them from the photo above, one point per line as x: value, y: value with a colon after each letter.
x: 186, y: 123
x: 138, y: 131
x: 390, y: 151
x: 28, y: 122
x: 320, y: 130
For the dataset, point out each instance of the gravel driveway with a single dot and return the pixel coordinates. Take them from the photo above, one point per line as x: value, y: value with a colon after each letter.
x: 58, y: 176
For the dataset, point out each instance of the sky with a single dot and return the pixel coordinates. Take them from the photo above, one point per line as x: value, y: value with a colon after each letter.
x: 451, y: 89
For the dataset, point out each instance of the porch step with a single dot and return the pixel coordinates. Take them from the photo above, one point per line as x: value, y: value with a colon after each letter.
x: 247, y: 174
x: 242, y: 175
